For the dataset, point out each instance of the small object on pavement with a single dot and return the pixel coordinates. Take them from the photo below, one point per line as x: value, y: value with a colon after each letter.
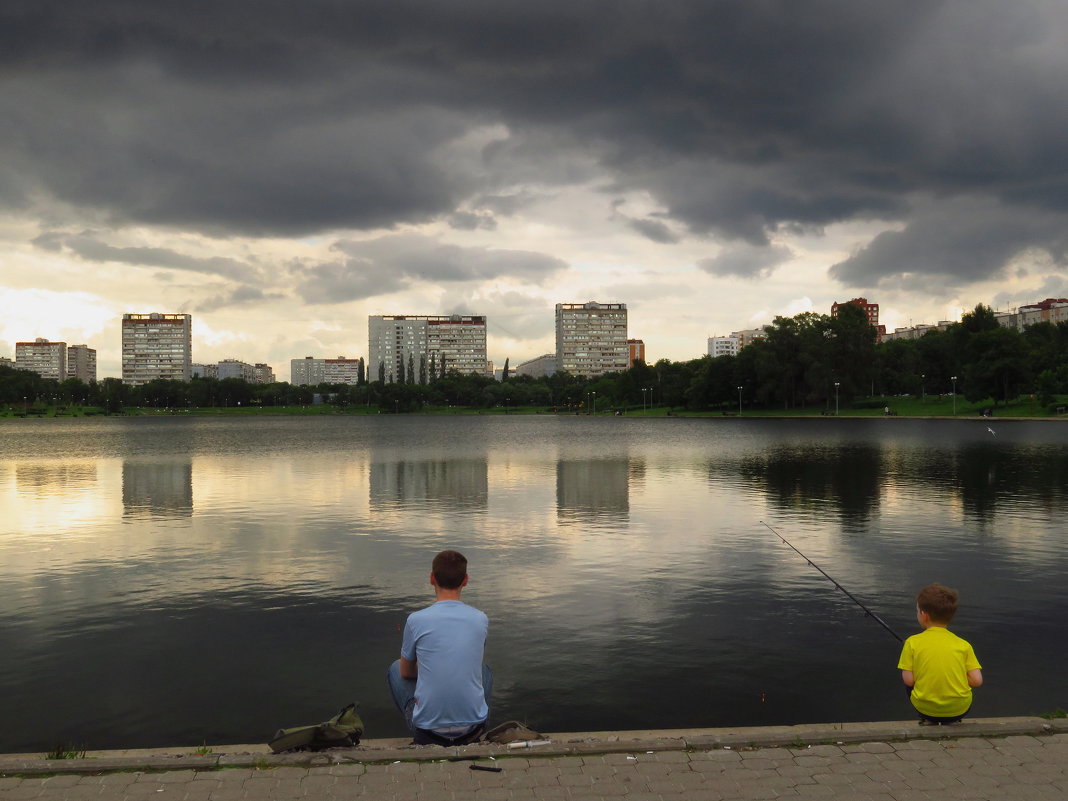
x: 486, y: 767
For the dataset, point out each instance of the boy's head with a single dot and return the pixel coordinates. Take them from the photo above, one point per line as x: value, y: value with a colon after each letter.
x: 449, y: 569
x: 940, y: 603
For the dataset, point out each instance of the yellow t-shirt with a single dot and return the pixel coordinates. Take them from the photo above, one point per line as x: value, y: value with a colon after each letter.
x: 939, y: 661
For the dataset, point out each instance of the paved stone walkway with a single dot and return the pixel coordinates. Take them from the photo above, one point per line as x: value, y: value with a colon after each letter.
x: 1030, y: 768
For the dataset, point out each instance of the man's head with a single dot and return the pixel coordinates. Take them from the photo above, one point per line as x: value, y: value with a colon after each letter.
x: 938, y: 603
x: 449, y: 570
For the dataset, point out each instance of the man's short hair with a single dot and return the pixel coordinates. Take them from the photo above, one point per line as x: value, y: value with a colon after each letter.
x: 940, y: 603
x: 450, y: 568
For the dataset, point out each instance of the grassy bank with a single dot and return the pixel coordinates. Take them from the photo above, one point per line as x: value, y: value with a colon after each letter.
x: 902, y: 407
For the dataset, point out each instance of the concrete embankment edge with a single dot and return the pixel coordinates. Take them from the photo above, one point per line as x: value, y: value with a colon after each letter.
x: 604, y: 742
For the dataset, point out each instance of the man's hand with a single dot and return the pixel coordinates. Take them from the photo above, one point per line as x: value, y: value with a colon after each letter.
x: 408, y: 669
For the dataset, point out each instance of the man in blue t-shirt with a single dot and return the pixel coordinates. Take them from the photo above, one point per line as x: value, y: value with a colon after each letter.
x: 440, y: 682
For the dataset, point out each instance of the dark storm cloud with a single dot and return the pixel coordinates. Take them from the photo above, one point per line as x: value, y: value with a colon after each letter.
x: 746, y: 261
x: 391, y: 263
x: 656, y: 230
x: 739, y: 119
x: 955, y: 242
x: 90, y: 248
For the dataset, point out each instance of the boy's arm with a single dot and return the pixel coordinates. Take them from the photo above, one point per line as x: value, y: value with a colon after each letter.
x: 910, y: 680
x: 975, y: 678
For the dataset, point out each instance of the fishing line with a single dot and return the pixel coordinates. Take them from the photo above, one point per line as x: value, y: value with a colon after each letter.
x: 848, y: 594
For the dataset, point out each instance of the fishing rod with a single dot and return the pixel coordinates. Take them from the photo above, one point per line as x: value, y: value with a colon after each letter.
x: 849, y: 595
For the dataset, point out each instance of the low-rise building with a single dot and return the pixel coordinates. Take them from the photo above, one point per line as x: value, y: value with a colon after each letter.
x: 544, y: 365
x: 197, y: 370
x: 234, y: 368
x: 262, y: 373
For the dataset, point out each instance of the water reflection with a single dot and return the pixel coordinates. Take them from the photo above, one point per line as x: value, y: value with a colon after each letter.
x: 457, y: 483
x: 55, y: 477
x: 261, y: 542
x: 847, y: 479
x: 593, y: 489
x: 157, y: 488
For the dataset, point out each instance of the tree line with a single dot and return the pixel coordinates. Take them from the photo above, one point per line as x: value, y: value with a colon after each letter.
x: 807, y: 361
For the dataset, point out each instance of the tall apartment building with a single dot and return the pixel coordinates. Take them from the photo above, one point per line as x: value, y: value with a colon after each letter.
x: 341, y: 371
x: 308, y: 371
x: 444, y: 342
x: 748, y: 336
x: 81, y: 363
x: 591, y: 338
x: 723, y: 346
x: 47, y: 359
x: 156, y: 346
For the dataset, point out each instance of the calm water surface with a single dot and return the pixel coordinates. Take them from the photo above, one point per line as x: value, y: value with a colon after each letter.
x: 181, y: 581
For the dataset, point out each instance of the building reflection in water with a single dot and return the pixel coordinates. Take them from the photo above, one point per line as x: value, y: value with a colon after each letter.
x: 454, y: 483
x: 49, y: 478
x: 157, y: 488
x: 593, y: 489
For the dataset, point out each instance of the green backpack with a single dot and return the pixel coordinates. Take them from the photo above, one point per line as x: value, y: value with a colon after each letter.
x: 341, y: 731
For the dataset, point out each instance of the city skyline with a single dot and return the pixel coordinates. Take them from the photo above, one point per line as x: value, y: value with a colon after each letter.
x: 282, y: 175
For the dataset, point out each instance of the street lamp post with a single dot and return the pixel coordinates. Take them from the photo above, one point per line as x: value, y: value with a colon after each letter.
x: 836, y: 385
x: 594, y: 402
x: 953, y: 378
x: 739, y: 401
x: 923, y: 388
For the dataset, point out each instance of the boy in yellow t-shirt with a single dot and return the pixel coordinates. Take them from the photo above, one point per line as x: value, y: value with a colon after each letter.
x: 938, y: 666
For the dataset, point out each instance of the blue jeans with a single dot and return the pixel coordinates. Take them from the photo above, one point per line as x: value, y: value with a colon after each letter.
x: 403, y: 691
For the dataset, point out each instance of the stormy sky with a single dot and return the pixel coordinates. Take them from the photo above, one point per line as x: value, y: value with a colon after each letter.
x: 281, y: 170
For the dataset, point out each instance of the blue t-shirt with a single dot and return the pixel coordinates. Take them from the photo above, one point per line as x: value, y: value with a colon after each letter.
x: 447, y: 640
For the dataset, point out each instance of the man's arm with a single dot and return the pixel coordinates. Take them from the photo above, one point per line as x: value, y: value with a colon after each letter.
x: 409, y: 669
x: 975, y: 677
x: 906, y: 676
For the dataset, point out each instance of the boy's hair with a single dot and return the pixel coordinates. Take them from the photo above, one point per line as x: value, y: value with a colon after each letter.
x: 939, y: 602
x: 450, y: 568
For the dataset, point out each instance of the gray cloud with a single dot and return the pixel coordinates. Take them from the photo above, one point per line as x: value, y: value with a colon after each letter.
x: 746, y: 261
x: 955, y: 242
x: 388, y: 264
x: 656, y: 230
x: 90, y: 248
x: 739, y: 119
x: 471, y: 221
x: 241, y: 296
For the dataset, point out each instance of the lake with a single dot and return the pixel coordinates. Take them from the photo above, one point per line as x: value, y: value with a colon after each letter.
x: 180, y: 581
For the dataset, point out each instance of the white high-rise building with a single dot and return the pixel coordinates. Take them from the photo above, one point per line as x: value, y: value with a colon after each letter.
x: 399, y: 344
x: 156, y: 346
x: 723, y: 346
x: 591, y: 338
x: 81, y: 363
x: 47, y: 359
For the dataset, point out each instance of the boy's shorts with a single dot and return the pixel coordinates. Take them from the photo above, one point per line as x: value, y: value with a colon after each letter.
x: 931, y: 719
